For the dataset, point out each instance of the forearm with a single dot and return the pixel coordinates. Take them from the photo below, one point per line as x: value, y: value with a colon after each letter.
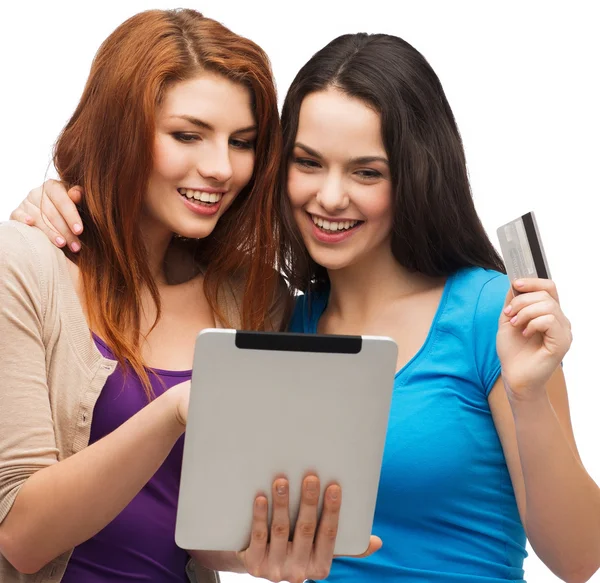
x: 65, y: 504
x: 219, y: 560
x: 562, y: 515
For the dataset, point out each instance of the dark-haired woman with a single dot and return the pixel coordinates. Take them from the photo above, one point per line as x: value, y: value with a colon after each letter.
x: 383, y: 237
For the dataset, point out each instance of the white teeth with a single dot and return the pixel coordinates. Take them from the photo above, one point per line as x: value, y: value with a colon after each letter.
x: 332, y: 225
x: 201, y: 196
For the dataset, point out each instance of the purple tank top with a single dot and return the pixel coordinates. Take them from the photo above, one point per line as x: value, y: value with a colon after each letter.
x: 139, y: 544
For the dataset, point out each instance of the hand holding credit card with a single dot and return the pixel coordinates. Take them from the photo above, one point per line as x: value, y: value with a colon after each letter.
x: 522, y: 249
x: 526, y: 364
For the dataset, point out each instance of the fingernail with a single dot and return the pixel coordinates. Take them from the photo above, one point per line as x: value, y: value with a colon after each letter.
x: 508, y: 310
x: 75, y: 247
x: 77, y: 228
x: 60, y: 241
x: 311, y: 485
x: 334, y: 493
x: 513, y: 320
x: 261, y: 503
x: 519, y: 283
x: 281, y: 489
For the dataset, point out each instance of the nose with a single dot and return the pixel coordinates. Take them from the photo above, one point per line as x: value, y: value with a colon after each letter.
x: 215, y: 163
x: 333, y: 196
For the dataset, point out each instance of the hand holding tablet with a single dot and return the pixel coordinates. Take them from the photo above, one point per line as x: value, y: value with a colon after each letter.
x: 310, y: 550
x: 266, y: 406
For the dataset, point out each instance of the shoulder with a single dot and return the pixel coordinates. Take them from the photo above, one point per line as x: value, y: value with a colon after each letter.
x: 29, y: 275
x: 474, y: 280
x: 26, y: 250
x: 16, y: 236
x: 477, y: 292
x: 474, y: 301
x: 476, y: 305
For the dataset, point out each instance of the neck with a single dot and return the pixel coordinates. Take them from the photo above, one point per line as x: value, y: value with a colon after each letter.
x: 359, y: 292
x: 157, y: 240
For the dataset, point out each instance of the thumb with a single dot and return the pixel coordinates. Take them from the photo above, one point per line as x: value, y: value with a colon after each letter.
x: 375, y: 543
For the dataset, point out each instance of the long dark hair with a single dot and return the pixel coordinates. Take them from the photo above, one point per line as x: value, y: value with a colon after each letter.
x: 436, y: 230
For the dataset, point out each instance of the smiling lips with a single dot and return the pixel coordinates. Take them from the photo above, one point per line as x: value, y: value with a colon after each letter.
x: 202, y: 202
x: 330, y: 231
x: 333, y: 226
x: 206, y: 196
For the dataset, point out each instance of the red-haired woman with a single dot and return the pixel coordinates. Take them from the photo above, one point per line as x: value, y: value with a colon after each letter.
x: 177, y: 132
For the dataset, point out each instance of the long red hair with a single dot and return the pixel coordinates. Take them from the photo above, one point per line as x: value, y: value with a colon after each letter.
x: 107, y: 147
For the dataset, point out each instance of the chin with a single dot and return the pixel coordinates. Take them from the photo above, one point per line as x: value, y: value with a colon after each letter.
x: 194, y: 231
x: 331, y: 260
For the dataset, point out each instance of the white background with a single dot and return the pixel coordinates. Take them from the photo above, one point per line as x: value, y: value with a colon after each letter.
x: 521, y: 77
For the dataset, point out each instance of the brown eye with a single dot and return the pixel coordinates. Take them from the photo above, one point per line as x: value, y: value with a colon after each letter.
x: 369, y: 174
x: 241, y: 144
x: 307, y: 163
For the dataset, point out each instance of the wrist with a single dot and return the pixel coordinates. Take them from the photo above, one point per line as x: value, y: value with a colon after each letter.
x: 172, y: 399
x: 530, y: 402
x: 524, y: 394
x: 230, y: 561
x: 240, y: 564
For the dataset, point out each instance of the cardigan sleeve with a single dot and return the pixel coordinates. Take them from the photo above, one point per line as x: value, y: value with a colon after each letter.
x: 27, y: 439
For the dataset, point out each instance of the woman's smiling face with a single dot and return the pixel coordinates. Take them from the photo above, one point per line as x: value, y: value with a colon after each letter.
x: 339, y: 180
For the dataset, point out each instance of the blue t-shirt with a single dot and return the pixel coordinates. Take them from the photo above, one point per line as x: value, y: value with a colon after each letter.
x: 446, y: 509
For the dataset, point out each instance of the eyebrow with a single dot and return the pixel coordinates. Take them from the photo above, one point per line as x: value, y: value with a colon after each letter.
x: 202, y: 124
x: 359, y: 160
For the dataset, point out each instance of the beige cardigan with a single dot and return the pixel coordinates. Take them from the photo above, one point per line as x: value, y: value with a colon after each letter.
x: 51, y: 373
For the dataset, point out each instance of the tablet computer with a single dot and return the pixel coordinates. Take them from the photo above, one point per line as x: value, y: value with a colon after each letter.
x: 265, y: 405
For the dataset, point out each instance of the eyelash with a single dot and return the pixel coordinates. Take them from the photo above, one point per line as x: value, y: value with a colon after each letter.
x: 242, y: 144
x: 367, y: 174
x: 307, y: 163
x: 235, y: 143
x: 186, y: 138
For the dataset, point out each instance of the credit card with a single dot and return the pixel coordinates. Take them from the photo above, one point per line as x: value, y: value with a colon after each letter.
x: 522, y: 249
